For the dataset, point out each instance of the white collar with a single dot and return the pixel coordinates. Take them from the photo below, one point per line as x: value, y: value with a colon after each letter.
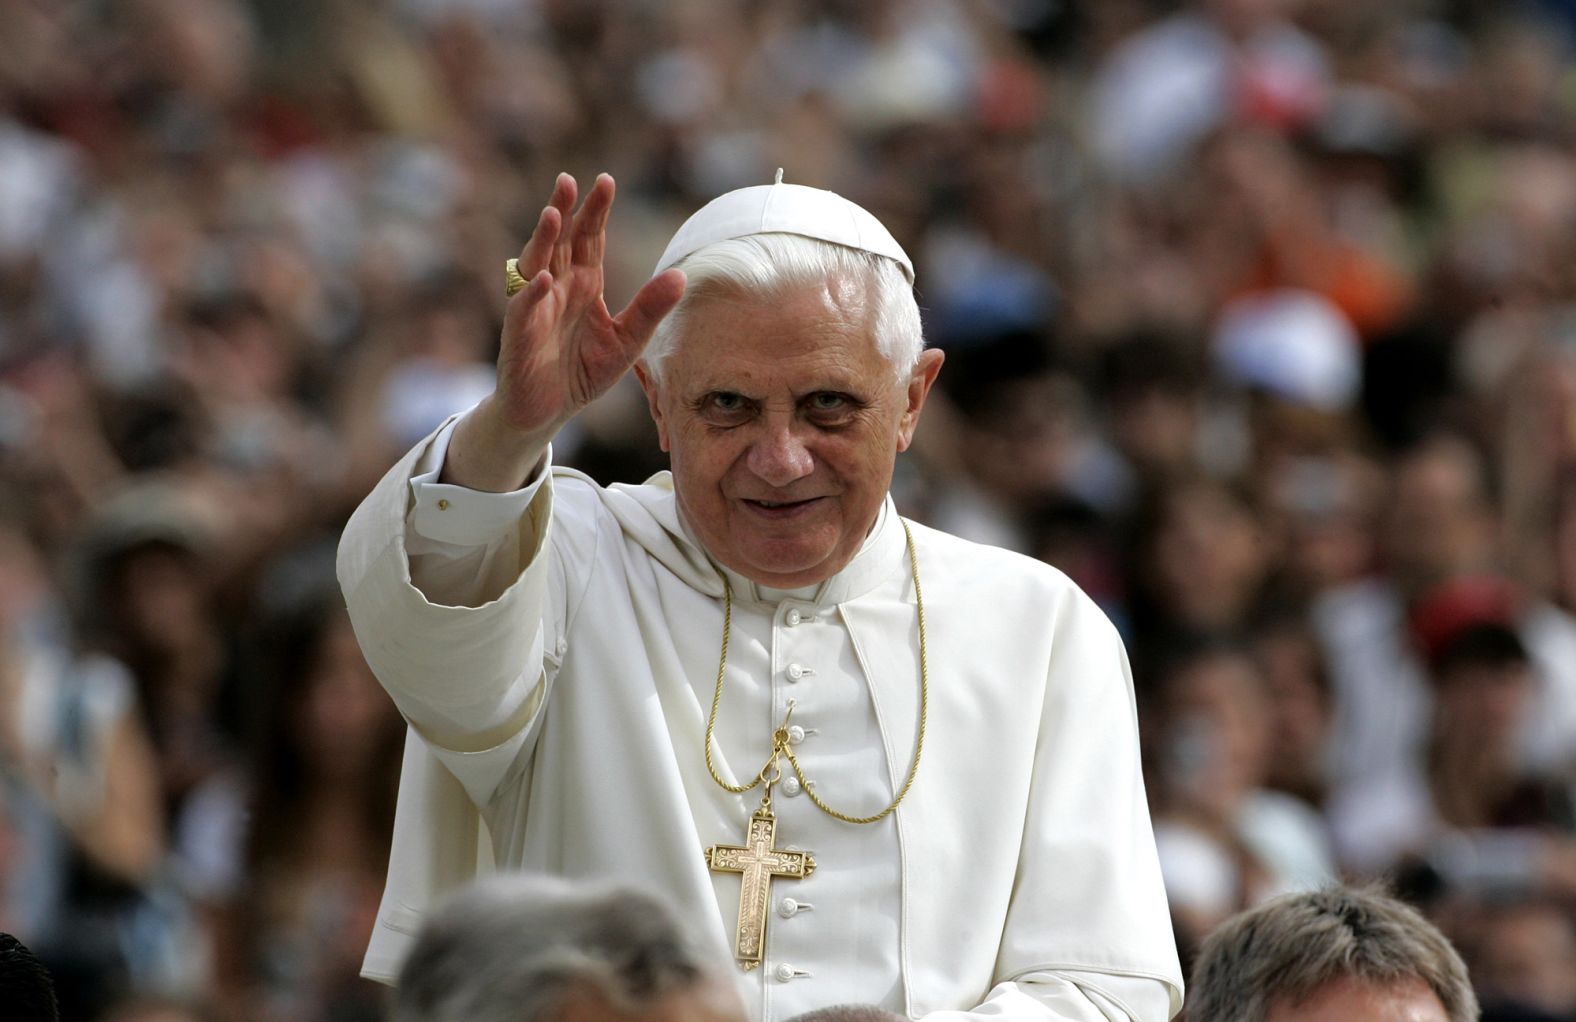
x: 879, y: 556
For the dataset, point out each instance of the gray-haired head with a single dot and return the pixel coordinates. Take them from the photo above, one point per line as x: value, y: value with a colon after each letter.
x: 767, y: 267
x: 512, y: 947
x: 1287, y: 949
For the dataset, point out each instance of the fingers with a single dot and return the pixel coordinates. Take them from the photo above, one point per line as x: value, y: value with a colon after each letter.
x: 523, y: 305
x: 588, y: 237
x: 650, y: 304
x: 573, y: 238
x: 539, y: 286
x: 539, y: 249
x: 563, y: 203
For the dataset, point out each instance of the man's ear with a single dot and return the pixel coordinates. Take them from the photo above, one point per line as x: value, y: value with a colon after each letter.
x: 919, y: 383
x: 653, y: 389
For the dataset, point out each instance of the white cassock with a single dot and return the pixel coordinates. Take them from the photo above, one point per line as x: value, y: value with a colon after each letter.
x: 556, y: 659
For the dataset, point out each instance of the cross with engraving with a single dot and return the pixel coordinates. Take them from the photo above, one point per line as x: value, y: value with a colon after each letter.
x: 758, y: 862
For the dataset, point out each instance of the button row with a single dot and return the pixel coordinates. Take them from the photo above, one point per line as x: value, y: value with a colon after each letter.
x: 789, y: 907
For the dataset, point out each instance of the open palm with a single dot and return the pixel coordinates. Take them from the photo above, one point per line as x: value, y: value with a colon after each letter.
x: 561, y: 348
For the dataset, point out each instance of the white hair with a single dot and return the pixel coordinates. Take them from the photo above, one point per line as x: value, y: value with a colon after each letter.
x: 768, y: 266
x: 510, y: 947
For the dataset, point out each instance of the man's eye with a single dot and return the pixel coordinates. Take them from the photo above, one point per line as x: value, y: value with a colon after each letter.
x: 827, y: 401
x: 724, y: 407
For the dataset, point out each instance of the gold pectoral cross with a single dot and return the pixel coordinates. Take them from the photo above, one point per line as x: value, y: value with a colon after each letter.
x: 758, y: 861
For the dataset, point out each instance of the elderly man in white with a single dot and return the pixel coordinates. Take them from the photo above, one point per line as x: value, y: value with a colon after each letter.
x: 873, y: 762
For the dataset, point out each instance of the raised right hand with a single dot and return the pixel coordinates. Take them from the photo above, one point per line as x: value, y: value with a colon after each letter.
x: 561, y: 348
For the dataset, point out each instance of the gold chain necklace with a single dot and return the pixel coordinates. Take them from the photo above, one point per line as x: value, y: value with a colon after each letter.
x: 781, y: 747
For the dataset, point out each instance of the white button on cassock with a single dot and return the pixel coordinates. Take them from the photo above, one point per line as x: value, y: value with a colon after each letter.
x: 795, y: 672
x: 786, y: 972
x: 787, y: 908
x: 793, y: 617
x: 795, y: 734
x: 791, y: 786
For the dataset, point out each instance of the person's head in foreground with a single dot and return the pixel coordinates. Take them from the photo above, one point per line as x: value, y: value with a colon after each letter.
x: 848, y: 1013
x: 27, y: 994
x: 1337, y: 955
x: 529, y: 948
x: 787, y: 379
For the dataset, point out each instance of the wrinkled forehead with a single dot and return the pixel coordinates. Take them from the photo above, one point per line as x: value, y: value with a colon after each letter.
x: 831, y: 321
x: 842, y: 295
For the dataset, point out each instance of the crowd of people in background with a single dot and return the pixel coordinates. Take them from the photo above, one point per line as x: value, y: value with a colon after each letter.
x: 1260, y: 322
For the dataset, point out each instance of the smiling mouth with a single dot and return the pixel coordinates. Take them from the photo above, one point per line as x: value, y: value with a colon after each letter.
x: 780, y: 508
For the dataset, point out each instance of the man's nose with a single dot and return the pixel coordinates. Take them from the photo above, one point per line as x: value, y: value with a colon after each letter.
x: 779, y: 457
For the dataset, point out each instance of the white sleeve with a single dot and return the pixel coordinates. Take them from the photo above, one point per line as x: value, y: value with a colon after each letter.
x: 464, y: 544
x: 467, y: 676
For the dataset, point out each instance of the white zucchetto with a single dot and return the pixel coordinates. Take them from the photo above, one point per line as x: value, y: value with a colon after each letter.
x: 783, y: 209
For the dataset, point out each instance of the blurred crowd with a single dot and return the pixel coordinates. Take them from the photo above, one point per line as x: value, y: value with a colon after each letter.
x: 1260, y: 321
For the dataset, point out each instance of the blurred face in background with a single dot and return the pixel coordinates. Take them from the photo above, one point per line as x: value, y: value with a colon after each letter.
x: 13, y: 862
x: 1440, y: 522
x: 1527, y: 955
x: 343, y: 718
x: 1323, y: 511
x: 159, y: 596
x: 1156, y: 426
x: 1208, y: 556
x: 1242, y: 18
x: 23, y: 578
x: 1023, y: 449
x: 1565, y: 544
x: 1480, y: 707
x: 1299, y: 701
x: 1215, y: 733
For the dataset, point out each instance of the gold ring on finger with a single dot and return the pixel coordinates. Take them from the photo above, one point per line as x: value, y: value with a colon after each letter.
x: 513, y: 283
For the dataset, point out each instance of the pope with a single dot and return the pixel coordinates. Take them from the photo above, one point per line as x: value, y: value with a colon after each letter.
x: 873, y: 763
